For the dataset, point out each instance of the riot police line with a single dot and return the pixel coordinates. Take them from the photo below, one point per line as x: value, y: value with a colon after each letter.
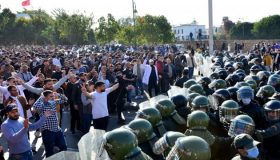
x: 231, y: 111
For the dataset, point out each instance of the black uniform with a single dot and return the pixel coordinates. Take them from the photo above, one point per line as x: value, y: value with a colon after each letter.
x: 208, y: 91
x: 180, y: 82
x: 271, y: 138
x: 256, y: 112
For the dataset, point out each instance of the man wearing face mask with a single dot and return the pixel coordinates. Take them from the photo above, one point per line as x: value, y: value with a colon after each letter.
x: 245, y: 96
x: 271, y: 135
x: 246, y: 147
x: 51, y: 132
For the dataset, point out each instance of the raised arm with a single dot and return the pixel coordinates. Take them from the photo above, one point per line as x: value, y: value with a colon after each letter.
x: 12, y: 136
x: 37, y: 91
x: 62, y: 80
x: 88, y: 95
x: 114, y: 87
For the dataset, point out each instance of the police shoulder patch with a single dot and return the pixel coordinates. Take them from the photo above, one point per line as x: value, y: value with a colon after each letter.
x: 275, y: 128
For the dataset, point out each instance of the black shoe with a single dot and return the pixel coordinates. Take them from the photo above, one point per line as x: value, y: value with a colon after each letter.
x: 122, y: 120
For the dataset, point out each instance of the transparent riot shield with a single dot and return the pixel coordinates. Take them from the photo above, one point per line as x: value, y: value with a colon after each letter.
x: 145, y: 104
x: 90, y: 144
x: 65, y: 155
x: 175, y: 90
x: 213, y: 102
x: 155, y: 99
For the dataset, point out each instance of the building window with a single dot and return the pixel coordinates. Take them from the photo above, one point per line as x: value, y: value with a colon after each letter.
x: 178, y: 31
x: 174, y: 31
x: 183, y: 38
x: 182, y: 31
x: 178, y: 38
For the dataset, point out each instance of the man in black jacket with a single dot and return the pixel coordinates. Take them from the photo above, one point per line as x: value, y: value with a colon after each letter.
x: 42, y: 66
x: 180, y: 82
x: 76, y: 97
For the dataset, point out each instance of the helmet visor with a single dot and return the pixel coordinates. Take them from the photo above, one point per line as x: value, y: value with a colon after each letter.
x: 229, y: 113
x: 103, y: 144
x: 212, y: 84
x: 161, y: 145
x: 239, y: 126
x: 177, y: 151
x: 260, y: 92
x: 243, y: 94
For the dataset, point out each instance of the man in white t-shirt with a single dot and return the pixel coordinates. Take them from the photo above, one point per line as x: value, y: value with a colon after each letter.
x: 99, y: 104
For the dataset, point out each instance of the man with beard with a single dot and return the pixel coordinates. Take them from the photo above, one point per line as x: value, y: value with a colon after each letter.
x: 7, y: 69
x: 99, y: 104
x: 15, y: 130
x: 76, y: 97
x: 48, y: 84
x: 49, y: 69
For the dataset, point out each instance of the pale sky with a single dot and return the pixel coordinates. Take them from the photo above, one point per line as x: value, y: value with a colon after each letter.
x: 176, y: 11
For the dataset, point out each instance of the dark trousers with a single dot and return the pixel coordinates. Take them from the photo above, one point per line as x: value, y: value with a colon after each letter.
x: 191, y: 69
x: 28, y: 155
x: 179, y: 73
x: 153, y: 84
x: 75, y: 118
x: 120, y: 105
x: 275, y: 66
x: 88, y: 120
x: 81, y: 113
x: 111, y: 99
x: 101, y: 123
x: 37, y: 118
x: 53, y: 137
x: 161, y: 85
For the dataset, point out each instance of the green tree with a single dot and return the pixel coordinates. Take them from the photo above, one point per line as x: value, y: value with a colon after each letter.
x: 107, y: 30
x: 126, y: 21
x: 112, y: 28
x: 24, y: 31
x: 155, y: 29
x: 267, y: 28
x: 7, y: 29
x: 236, y: 32
x: 126, y: 34
x: 75, y: 28
x: 101, y: 30
x: 49, y: 34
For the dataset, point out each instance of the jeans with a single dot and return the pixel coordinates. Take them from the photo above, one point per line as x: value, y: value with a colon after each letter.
x: 267, y: 68
x: 191, y: 72
x: 53, y: 137
x: 87, y: 124
x: 140, y: 84
x: 129, y: 94
x: 23, y: 156
x: 179, y: 73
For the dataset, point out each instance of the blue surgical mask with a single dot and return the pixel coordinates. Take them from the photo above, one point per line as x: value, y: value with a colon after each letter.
x: 253, y: 152
x: 50, y: 101
x: 246, y: 100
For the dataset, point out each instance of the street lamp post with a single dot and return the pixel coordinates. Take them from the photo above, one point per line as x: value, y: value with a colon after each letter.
x: 134, y: 11
x: 211, y: 43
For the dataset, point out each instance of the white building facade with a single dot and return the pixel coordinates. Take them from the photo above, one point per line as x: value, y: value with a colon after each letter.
x: 182, y: 32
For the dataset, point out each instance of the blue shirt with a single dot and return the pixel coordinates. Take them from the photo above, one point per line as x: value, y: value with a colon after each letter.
x: 16, y: 134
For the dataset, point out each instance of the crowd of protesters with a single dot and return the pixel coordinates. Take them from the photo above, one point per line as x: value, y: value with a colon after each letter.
x: 41, y: 82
